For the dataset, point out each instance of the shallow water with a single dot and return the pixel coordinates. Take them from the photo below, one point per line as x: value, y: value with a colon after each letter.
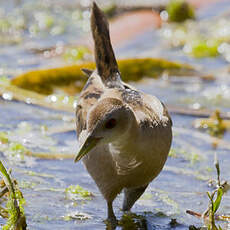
x: 181, y: 185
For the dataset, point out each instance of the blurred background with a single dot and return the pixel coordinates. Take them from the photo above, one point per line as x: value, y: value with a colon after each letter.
x: 176, y: 50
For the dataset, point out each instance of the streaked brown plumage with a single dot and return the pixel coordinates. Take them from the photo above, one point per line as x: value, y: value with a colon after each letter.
x: 125, y: 135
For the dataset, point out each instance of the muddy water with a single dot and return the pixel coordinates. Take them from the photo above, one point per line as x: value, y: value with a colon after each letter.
x: 182, y: 184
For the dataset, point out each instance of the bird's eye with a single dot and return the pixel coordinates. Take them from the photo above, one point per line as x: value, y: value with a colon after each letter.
x: 110, y: 123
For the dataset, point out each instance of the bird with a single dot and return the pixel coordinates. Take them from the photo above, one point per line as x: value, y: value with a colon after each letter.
x: 124, y: 134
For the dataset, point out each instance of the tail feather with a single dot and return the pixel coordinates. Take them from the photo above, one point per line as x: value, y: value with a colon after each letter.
x: 104, y: 56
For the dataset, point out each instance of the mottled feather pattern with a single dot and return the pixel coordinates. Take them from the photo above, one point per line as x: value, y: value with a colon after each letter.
x: 131, y: 153
x: 89, y: 95
x: 105, y: 59
x: 147, y: 116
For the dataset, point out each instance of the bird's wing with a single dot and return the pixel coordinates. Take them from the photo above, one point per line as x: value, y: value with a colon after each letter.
x: 90, y: 94
x: 155, y: 111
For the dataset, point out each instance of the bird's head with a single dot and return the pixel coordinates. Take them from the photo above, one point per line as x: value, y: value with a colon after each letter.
x: 107, y: 121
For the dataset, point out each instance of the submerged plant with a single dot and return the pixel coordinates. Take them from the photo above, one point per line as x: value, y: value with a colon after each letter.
x: 215, y: 125
x: 200, y: 48
x: 133, y: 221
x: 76, y: 192
x: 3, y: 138
x: 76, y: 54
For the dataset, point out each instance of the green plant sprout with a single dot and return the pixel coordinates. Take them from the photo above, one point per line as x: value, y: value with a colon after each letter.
x: 214, y: 204
x: 209, y: 215
x: 16, y: 217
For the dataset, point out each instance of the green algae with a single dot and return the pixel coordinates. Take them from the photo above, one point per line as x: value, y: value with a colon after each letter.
x: 72, y: 80
x: 192, y: 157
x: 180, y: 11
x: 215, y: 124
x: 77, y: 216
x: 57, y: 102
x: 190, y: 36
x: 165, y: 197
x: 42, y: 81
x: 3, y: 138
x: 76, y: 192
x: 205, y: 48
x: 13, y: 150
x: 133, y: 221
x: 110, y: 10
x: 76, y: 54
x: 27, y: 184
x: 182, y: 171
x: 36, y: 174
x: 16, y: 151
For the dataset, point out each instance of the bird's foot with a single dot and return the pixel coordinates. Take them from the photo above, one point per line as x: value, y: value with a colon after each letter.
x: 111, y: 223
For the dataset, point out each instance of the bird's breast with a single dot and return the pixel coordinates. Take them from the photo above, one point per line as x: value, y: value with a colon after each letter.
x: 142, y: 159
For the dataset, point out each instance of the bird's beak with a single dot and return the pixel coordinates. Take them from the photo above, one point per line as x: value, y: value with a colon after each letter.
x: 89, y: 144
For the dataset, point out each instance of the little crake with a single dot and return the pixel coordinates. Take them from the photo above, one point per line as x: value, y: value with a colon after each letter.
x: 125, y: 135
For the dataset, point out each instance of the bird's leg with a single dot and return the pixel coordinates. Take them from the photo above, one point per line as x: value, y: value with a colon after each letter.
x: 131, y: 196
x: 112, y: 220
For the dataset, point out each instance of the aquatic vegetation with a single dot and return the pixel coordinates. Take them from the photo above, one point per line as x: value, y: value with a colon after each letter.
x: 187, y: 155
x: 110, y: 10
x: 215, y: 125
x: 214, y: 204
x: 17, y: 151
x: 200, y: 48
x: 77, y: 54
x: 76, y: 192
x: 133, y: 221
x: 215, y: 197
x: 58, y: 102
x: 200, y: 39
x: 3, y: 138
x: 52, y: 136
x: 10, y: 29
x: 167, y: 200
x: 180, y: 10
x: 200, y: 175
x: 15, y: 204
x: 32, y: 173
x: 45, y: 81
x: 27, y: 184
x: 206, y: 138
x: 209, y: 100
x: 17, y: 24
x: 77, y: 216
x: 189, y: 38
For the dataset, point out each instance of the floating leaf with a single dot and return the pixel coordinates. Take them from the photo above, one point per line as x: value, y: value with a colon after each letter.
x: 76, y: 192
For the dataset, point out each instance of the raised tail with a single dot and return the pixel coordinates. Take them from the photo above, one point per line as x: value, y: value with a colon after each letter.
x: 105, y: 59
